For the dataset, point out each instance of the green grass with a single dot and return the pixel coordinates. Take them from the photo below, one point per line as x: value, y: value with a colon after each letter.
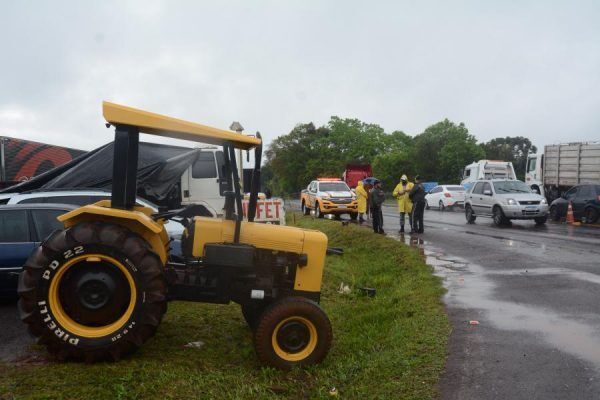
x: 392, y: 346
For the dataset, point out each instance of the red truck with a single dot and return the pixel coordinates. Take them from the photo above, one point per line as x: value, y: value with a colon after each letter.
x: 21, y: 160
x: 355, y: 173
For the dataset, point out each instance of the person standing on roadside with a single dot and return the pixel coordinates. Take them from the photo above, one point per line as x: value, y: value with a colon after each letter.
x: 405, y: 205
x: 362, y: 197
x: 376, y: 199
x: 417, y: 195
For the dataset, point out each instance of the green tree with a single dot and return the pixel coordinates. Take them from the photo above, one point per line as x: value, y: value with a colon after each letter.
x: 293, y: 160
x: 389, y: 167
x: 442, y: 151
x: 513, y: 149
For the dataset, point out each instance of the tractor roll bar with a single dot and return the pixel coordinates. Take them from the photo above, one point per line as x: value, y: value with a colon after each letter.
x: 238, y: 196
x: 255, y: 185
x: 125, y: 159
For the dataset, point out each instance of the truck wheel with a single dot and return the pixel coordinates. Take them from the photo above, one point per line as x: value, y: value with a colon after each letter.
x: 92, y: 292
x: 469, y: 214
x: 498, y: 216
x: 353, y: 216
x: 293, y: 331
x: 318, y: 212
x: 591, y: 215
x: 305, y: 210
x: 540, y: 220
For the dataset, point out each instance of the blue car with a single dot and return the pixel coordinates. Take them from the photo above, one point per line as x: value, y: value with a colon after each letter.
x: 22, y: 228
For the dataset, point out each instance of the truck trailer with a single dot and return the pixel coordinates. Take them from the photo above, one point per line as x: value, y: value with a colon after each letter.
x: 355, y: 173
x: 21, y: 160
x: 562, y: 166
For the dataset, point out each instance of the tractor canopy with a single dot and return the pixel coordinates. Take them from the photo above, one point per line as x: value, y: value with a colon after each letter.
x: 161, y: 125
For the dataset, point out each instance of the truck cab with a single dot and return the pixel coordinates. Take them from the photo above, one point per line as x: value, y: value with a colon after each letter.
x: 487, y: 169
x: 533, y: 174
x: 204, y: 180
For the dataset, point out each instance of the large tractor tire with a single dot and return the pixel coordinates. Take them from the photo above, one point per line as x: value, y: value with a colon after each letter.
x: 92, y: 292
x: 291, y: 332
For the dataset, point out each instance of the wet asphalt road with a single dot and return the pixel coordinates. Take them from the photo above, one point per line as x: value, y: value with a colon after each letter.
x: 535, y: 292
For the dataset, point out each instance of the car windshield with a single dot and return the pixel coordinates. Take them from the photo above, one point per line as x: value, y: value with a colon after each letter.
x: 511, y: 187
x: 333, y: 187
x: 455, y: 188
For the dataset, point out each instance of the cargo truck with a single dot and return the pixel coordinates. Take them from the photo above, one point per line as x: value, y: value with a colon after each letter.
x: 562, y: 166
x: 355, y: 173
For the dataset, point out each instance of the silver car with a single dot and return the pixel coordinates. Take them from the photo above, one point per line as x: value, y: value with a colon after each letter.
x: 504, y: 200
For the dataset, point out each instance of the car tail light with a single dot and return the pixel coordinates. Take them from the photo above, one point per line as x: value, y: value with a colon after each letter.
x: 447, y: 195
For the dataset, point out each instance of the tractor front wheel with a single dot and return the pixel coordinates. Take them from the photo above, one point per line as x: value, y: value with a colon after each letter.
x: 94, y: 291
x: 293, y: 331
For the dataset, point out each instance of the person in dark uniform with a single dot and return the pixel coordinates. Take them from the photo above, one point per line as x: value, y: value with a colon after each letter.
x: 417, y: 195
x: 376, y: 199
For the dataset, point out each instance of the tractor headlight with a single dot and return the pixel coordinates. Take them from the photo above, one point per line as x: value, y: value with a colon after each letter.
x: 511, y: 202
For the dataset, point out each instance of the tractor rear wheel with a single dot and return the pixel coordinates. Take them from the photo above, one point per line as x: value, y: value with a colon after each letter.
x: 91, y: 292
x: 293, y: 331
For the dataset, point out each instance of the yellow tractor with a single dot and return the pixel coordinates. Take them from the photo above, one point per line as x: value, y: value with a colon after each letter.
x: 98, y: 289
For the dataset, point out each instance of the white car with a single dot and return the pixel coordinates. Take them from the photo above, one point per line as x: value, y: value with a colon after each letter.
x: 84, y: 197
x: 444, y: 196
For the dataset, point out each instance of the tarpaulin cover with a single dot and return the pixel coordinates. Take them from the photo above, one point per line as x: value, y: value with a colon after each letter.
x: 159, y: 171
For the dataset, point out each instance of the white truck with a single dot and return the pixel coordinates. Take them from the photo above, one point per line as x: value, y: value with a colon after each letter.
x: 487, y: 169
x: 203, y: 182
x: 562, y: 166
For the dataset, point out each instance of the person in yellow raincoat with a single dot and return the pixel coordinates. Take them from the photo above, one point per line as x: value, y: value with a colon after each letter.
x: 362, y: 196
x: 404, y: 203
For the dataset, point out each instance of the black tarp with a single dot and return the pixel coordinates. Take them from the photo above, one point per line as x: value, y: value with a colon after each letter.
x: 159, y: 172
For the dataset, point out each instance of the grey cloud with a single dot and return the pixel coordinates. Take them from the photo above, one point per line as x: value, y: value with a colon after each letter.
x: 503, y: 68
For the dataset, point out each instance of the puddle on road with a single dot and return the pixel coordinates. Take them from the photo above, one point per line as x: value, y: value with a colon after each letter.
x: 470, y: 287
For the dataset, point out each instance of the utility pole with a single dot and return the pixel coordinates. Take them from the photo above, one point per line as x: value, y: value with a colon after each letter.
x: 237, y: 127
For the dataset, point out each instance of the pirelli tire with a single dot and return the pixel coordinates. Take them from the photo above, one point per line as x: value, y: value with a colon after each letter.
x: 292, y: 332
x: 92, y: 292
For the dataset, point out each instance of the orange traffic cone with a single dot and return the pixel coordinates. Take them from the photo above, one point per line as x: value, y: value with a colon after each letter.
x: 570, y: 218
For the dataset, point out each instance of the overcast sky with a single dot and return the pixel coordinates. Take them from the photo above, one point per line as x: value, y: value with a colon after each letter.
x: 529, y: 68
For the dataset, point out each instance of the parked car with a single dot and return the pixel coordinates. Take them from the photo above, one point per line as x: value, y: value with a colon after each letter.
x: 504, y: 200
x: 443, y: 196
x: 22, y: 228
x: 81, y: 198
x: 585, y: 200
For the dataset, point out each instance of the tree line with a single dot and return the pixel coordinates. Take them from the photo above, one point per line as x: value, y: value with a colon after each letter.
x: 438, y: 154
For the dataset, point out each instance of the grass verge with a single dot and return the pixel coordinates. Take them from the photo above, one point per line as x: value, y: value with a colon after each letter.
x: 392, y: 346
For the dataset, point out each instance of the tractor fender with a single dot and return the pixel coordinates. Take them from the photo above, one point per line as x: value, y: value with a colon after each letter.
x: 137, y: 220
